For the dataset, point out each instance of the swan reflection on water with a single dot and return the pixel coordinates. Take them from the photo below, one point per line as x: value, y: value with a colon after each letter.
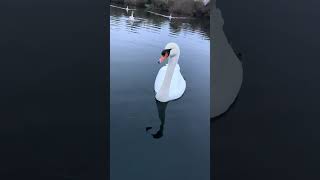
x: 161, y: 106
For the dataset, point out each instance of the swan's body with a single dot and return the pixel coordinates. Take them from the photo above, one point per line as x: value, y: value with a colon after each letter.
x: 170, y: 84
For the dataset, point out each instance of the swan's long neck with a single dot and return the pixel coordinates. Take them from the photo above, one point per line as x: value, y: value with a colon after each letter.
x: 165, y: 87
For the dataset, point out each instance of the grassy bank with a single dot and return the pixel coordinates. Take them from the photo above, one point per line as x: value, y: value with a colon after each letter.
x: 176, y: 7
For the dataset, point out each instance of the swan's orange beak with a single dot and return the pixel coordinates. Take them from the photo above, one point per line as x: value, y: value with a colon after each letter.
x: 163, y: 58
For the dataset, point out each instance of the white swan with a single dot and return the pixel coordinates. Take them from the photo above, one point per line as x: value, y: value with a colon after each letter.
x: 131, y: 18
x: 169, y: 84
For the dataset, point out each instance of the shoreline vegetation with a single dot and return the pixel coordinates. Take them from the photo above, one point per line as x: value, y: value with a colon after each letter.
x: 192, y: 8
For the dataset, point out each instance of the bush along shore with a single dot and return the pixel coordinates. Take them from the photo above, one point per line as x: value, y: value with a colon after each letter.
x: 193, y: 8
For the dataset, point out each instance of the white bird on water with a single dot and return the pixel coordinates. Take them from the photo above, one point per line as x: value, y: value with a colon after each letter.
x: 131, y: 18
x: 169, y: 84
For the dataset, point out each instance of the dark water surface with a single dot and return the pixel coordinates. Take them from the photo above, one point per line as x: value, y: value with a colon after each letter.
x: 272, y: 131
x: 177, y: 144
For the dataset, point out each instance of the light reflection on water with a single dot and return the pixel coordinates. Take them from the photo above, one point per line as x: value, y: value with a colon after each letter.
x: 176, y: 144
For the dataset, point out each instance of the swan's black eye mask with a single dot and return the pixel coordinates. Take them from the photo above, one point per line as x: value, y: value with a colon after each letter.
x: 166, y: 51
x: 164, y: 55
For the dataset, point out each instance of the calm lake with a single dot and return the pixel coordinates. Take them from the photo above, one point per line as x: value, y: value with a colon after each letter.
x: 177, y: 143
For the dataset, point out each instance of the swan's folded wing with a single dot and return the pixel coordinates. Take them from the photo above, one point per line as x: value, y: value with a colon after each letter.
x: 160, y: 78
x: 178, y: 84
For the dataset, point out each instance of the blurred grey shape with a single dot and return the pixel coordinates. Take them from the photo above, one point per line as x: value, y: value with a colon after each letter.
x: 226, y: 69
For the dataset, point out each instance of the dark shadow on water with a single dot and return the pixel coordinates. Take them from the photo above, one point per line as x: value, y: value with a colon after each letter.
x: 161, y: 106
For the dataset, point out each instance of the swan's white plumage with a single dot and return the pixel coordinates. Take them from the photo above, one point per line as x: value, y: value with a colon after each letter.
x: 131, y: 18
x: 177, y: 82
x: 177, y: 86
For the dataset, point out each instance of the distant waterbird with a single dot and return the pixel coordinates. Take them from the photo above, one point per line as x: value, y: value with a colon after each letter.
x: 131, y: 18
